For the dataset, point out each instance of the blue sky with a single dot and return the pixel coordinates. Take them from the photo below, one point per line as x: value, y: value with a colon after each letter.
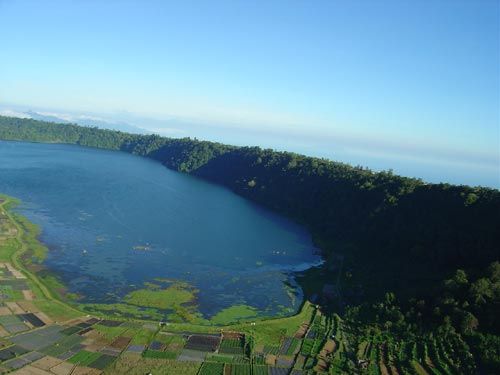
x: 377, y: 83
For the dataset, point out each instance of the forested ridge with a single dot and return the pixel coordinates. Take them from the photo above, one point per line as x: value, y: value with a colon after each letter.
x: 419, y: 256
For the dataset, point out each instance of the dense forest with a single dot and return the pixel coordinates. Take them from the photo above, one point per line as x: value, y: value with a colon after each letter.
x: 417, y: 257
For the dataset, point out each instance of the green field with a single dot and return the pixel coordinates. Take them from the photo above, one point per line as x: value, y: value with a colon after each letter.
x: 329, y: 343
x: 84, y: 358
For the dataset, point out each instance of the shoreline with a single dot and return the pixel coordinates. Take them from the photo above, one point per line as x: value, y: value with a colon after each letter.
x: 24, y: 234
x: 6, y: 207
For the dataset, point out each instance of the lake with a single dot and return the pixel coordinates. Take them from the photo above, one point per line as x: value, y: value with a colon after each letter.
x: 113, y: 221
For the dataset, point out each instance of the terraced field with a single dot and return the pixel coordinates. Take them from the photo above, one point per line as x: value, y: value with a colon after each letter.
x: 41, y: 335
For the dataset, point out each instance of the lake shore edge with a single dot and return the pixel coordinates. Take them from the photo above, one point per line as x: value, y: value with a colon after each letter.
x: 28, y: 233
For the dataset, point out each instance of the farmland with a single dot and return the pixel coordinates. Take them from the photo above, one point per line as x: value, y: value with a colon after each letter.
x: 43, y: 335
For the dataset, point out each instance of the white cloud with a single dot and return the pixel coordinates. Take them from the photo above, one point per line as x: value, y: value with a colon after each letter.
x: 10, y: 113
x: 62, y: 116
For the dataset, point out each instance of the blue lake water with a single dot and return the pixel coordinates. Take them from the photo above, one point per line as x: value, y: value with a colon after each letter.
x: 113, y: 221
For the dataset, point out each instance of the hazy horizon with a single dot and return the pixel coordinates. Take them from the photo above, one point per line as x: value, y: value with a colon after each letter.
x: 342, y: 150
x: 408, y: 86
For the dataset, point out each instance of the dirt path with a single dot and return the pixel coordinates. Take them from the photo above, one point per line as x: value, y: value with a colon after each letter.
x: 20, y: 270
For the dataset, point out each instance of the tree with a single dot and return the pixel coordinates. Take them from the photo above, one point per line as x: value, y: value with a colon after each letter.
x: 469, y: 323
x: 481, y: 291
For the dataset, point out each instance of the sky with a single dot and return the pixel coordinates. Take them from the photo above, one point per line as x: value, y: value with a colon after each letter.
x: 406, y: 85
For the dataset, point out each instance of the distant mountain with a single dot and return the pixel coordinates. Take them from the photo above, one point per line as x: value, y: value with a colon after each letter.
x: 79, y: 119
x: 46, y: 117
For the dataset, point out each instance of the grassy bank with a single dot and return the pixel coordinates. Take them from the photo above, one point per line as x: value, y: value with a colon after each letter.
x: 25, y: 242
x: 26, y: 253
